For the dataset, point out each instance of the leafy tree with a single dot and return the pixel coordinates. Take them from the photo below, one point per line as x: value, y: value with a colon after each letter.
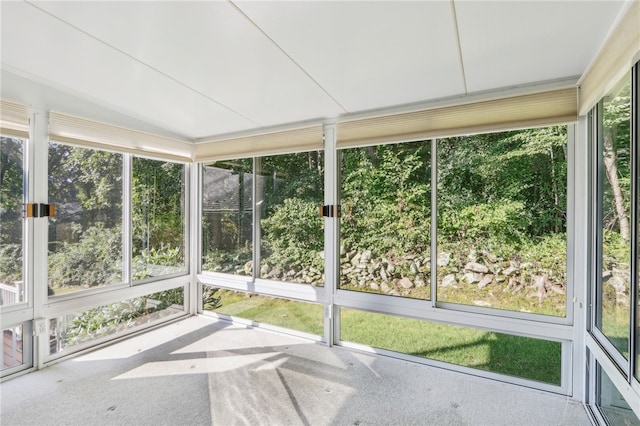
x: 157, y: 193
x: 386, y: 198
x: 90, y: 179
x: 11, y: 199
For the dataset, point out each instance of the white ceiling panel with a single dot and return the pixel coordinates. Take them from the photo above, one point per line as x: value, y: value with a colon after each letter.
x: 210, y: 47
x: 506, y: 43
x: 201, y: 69
x: 368, y: 54
x: 39, y: 44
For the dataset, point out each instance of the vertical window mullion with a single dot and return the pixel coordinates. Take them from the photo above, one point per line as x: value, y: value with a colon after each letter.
x: 257, y: 192
x: 634, y: 290
x: 127, y: 251
x: 434, y: 222
x: 599, y: 188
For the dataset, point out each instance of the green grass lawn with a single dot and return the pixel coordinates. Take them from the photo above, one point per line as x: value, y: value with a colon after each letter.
x: 500, y: 353
x: 301, y: 316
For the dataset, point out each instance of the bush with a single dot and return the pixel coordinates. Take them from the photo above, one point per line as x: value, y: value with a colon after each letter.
x: 293, y: 234
x: 10, y: 263
x: 95, y: 260
x: 549, y: 254
x: 104, y: 320
x: 108, y: 319
x: 163, y: 256
x: 226, y: 261
x: 502, y: 222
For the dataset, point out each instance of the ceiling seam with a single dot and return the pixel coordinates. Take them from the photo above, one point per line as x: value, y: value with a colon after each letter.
x: 284, y: 52
x: 170, y: 77
x: 457, y: 32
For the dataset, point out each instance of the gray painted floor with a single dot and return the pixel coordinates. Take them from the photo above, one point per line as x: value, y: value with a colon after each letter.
x: 200, y: 372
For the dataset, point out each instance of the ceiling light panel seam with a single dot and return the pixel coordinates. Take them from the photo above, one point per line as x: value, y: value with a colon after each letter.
x: 175, y: 80
x: 457, y: 32
x: 284, y: 52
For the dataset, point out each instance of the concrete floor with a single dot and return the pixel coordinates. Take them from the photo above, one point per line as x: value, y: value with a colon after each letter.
x: 200, y: 371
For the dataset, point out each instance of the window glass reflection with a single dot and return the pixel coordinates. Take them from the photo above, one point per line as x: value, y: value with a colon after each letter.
x: 227, y: 217
x: 502, y: 204
x: 518, y: 356
x: 612, y: 404
x: 613, y: 298
x: 300, y: 316
x: 85, y: 238
x: 289, y: 191
x: 157, y: 193
x: 385, y: 224
x: 12, y: 288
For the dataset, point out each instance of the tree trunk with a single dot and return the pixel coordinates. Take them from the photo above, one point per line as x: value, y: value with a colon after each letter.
x: 611, y: 166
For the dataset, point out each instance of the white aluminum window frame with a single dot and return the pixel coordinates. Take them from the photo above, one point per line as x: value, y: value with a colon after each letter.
x: 545, y: 327
x: 599, y: 349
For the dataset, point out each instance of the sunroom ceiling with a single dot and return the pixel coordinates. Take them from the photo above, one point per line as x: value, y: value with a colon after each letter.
x: 196, y: 70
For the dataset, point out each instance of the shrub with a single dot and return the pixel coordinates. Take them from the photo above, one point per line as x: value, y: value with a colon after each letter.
x: 293, y: 234
x: 503, y: 222
x: 104, y: 320
x: 163, y: 256
x: 225, y: 261
x: 93, y: 261
x: 10, y: 263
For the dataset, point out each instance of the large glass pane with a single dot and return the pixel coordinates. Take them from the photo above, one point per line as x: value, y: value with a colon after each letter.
x: 85, y: 238
x: 612, y: 404
x: 385, y: 223
x: 300, y: 316
x: 613, y: 309
x: 227, y: 217
x: 502, y: 220
x: 93, y: 324
x: 518, y: 356
x: 12, y: 289
x: 289, y: 191
x: 157, y: 193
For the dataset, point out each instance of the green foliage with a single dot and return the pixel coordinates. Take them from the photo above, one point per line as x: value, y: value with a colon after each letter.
x: 210, y: 298
x: 10, y: 263
x: 11, y: 177
x: 386, y: 198
x: 294, y: 234
x: 104, y: 320
x: 225, y: 261
x: 157, y: 204
x: 616, y: 250
x: 95, y: 260
x: 109, y: 319
x: 298, y: 175
x: 527, y: 166
x: 166, y: 298
x: 503, y: 222
x: 162, y: 256
x: 11, y: 199
x: 548, y: 254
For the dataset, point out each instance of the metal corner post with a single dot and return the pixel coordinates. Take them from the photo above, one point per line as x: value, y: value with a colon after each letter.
x: 331, y: 234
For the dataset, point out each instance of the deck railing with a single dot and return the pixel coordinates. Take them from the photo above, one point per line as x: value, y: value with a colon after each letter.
x: 11, y: 294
